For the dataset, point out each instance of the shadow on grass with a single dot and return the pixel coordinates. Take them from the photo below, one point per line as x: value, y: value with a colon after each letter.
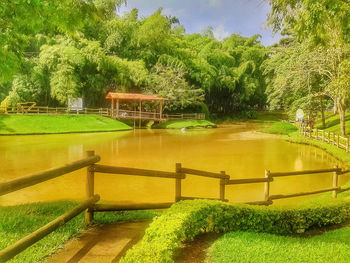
x: 3, y: 126
x: 335, y: 121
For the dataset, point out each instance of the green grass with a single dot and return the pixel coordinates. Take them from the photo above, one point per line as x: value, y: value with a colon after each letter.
x: 331, y: 246
x: 188, y: 124
x: 49, y: 124
x: 248, y: 247
x: 268, y: 116
x: 256, y: 116
x: 333, y: 123
x: 280, y: 128
x: 18, y: 221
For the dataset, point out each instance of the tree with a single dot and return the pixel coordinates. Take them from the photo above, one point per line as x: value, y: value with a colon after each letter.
x: 325, y: 25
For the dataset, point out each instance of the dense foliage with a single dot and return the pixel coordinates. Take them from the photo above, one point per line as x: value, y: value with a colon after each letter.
x: 54, y: 50
x: 310, y: 68
x: 186, y: 219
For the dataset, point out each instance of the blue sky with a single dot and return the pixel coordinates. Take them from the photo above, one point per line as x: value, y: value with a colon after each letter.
x: 246, y: 17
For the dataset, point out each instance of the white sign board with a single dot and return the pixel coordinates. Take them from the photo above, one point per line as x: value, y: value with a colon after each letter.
x: 75, y: 104
x: 300, y: 115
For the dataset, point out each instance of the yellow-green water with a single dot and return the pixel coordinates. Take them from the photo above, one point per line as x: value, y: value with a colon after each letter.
x: 239, y: 150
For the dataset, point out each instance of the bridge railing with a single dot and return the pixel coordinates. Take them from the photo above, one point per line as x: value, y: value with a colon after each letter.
x: 107, y: 112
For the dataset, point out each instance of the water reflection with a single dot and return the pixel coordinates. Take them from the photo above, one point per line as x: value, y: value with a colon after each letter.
x: 238, y: 150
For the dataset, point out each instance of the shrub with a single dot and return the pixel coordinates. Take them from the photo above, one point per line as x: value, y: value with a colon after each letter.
x: 186, y: 219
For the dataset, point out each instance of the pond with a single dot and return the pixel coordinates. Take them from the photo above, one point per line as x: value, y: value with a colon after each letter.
x: 239, y: 150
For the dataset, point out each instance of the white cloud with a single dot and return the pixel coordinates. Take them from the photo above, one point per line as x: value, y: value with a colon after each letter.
x: 220, y: 33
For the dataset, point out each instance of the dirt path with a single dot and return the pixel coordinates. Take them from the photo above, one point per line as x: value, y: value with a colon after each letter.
x: 196, y: 251
x: 102, y: 244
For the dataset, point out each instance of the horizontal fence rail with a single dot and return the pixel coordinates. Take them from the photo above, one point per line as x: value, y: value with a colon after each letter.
x: 204, y: 174
x: 40, y: 177
x: 134, y: 171
x: 106, y: 112
x: 332, y: 138
x: 90, y: 205
x: 305, y: 172
x: 39, y: 234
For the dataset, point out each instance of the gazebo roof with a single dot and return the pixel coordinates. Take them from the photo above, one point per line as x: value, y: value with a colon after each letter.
x: 132, y: 96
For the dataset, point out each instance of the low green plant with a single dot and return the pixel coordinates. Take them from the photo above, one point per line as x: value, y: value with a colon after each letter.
x: 186, y: 219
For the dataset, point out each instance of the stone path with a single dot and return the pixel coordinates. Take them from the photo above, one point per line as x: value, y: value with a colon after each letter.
x: 103, y: 244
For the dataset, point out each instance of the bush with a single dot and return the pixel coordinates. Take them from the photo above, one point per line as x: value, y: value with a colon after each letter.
x: 186, y: 219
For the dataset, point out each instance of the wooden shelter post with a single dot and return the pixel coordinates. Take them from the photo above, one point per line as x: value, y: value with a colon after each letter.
x: 140, y: 112
x: 160, y: 109
x: 117, y: 108
x: 112, y: 108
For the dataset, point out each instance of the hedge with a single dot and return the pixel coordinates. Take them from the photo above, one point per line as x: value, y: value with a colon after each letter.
x: 186, y: 219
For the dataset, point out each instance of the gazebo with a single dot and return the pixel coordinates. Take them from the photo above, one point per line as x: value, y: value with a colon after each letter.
x: 116, y: 98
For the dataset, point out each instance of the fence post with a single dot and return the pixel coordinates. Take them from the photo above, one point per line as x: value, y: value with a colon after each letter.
x: 267, y: 186
x: 335, y: 182
x: 222, y: 187
x: 323, y: 134
x: 338, y: 140
x: 89, y: 213
x: 178, y: 182
x: 347, y: 144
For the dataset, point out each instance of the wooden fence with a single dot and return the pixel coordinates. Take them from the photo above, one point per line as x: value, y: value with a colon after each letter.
x: 327, y: 137
x: 106, y: 112
x: 90, y: 205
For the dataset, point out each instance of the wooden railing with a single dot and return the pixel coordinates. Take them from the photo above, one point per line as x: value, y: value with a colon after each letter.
x: 23, y: 182
x: 90, y: 205
x: 327, y: 137
x: 121, y: 114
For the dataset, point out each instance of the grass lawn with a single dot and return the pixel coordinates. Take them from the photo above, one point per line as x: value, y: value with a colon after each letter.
x: 280, y: 128
x: 333, y: 246
x: 333, y: 123
x: 258, y: 116
x: 49, y: 124
x: 249, y: 247
x: 18, y: 221
x: 188, y: 124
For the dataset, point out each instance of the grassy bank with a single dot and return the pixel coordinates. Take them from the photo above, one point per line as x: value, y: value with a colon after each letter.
x: 18, y: 221
x: 283, y: 128
x: 50, y: 124
x: 248, y: 247
x: 292, y: 134
x: 188, y: 124
x: 331, y: 149
x: 333, y: 123
x: 255, y: 116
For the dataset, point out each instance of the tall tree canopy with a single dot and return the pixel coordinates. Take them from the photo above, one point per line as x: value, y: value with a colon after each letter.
x: 319, y: 53
x: 79, y: 48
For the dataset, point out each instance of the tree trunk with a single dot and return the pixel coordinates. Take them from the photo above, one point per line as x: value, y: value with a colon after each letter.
x: 322, y: 113
x: 341, y: 110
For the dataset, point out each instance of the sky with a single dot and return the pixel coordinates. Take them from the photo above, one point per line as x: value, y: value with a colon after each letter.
x: 245, y: 17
